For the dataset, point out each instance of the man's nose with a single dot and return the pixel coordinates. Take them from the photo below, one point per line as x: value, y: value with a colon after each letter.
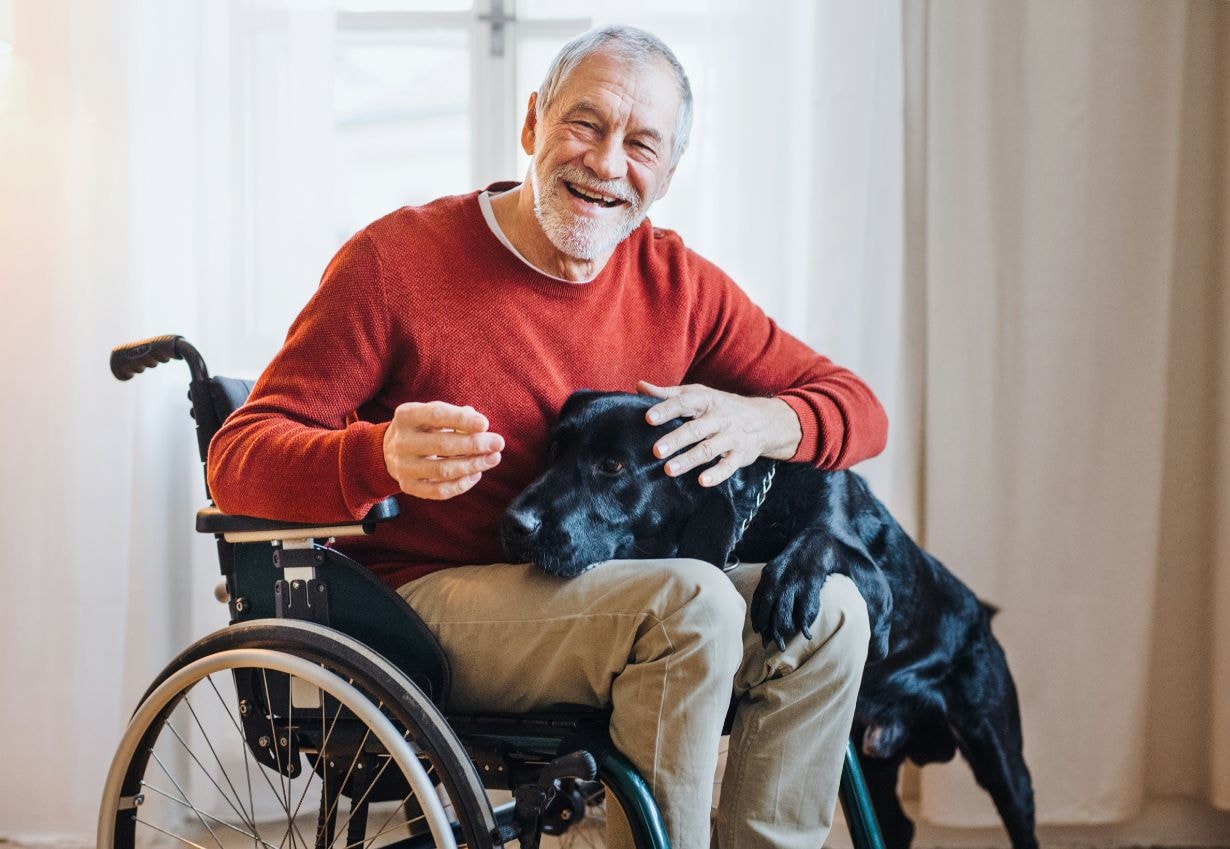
x: 607, y: 159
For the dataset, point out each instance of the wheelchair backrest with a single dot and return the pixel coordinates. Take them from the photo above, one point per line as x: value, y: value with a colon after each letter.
x: 354, y: 600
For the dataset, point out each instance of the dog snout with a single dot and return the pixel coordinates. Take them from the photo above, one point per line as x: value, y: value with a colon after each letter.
x: 521, y: 524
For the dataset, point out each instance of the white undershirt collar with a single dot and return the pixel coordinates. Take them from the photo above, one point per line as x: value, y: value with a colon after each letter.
x: 484, y: 203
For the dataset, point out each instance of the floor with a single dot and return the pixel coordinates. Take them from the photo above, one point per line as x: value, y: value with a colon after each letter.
x: 1164, y: 823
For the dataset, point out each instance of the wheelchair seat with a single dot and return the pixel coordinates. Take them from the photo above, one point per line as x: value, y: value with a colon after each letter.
x: 325, y: 679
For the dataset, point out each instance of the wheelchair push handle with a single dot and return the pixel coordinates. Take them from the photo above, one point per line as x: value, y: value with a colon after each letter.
x: 135, y: 357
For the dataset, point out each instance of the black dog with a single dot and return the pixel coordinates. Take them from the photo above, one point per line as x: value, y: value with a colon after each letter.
x: 936, y: 679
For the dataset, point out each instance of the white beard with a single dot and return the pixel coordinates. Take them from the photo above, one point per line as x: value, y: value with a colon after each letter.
x: 576, y: 236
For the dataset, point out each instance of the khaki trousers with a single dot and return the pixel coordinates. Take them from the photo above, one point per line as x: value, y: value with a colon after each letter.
x: 663, y: 642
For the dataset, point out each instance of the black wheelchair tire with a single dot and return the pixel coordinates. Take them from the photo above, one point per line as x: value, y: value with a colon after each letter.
x: 377, y: 679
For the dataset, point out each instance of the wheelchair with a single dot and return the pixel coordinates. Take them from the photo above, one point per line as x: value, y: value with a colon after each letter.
x: 317, y: 716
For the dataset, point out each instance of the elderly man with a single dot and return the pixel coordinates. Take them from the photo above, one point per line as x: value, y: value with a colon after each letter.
x: 431, y: 362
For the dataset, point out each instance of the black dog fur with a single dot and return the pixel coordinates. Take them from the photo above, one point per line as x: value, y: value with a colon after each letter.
x: 936, y: 680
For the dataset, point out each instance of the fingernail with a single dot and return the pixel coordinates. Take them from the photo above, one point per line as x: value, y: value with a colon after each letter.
x: 672, y: 468
x: 491, y: 459
x: 661, y: 450
x: 654, y: 418
x: 705, y: 480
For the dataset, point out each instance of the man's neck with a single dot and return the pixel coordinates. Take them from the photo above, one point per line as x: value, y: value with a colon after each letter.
x: 514, y: 212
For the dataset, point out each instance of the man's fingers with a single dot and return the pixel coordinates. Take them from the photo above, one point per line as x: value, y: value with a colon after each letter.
x: 435, y: 415
x: 444, y: 470
x: 680, y: 401
x: 719, y: 472
x: 700, y: 454
x: 453, y: 444
x: 687, y: 406
x: 454, y: 469
x: 442, y: 490
x: 689, y: 433
x: 437, y: 450
x: 646, y: 388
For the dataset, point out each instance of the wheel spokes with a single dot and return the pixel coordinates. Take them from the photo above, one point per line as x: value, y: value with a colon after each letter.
x: 183, y: 783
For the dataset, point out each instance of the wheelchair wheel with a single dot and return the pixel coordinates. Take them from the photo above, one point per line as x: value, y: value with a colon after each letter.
x: 282, y: 733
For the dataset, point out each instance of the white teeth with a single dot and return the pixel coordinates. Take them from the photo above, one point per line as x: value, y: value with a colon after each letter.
x: 591, y: 196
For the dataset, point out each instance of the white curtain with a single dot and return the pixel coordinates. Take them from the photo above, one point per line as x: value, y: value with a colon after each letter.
x: 152, y: 162
x: 1071, y: 248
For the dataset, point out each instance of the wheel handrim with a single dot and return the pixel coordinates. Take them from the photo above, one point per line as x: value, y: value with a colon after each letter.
x: 155, y: 714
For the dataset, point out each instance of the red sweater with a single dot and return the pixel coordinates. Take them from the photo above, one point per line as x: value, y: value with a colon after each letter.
x: 427, y: 304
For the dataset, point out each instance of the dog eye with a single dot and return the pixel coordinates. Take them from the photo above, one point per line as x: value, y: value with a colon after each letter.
x: 610, y: 466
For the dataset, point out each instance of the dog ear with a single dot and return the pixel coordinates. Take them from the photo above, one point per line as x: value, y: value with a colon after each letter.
x: 709, y: 533
x: 576, y: 401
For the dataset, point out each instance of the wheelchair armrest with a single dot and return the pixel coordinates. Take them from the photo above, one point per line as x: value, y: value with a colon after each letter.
x: 211, y: 520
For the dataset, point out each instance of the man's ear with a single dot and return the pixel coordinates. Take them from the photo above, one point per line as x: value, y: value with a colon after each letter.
x: 529, y: 129
x: 709, y: 533
x: 666, y: 184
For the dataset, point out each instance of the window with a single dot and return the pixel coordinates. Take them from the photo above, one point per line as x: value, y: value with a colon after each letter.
x: 428, y: 96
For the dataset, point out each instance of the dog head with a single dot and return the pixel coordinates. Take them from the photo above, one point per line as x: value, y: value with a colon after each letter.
x: 604, y: 495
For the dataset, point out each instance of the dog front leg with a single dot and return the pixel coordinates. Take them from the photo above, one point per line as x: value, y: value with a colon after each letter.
x: 787, y: 599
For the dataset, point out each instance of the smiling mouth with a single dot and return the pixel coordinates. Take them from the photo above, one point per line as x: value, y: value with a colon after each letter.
x: 596, y: 199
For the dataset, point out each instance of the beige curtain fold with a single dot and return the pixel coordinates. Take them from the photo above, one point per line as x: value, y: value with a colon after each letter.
x: 1068, y: 235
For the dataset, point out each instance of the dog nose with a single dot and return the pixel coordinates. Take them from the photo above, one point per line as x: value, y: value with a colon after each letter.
x: 522, y: 523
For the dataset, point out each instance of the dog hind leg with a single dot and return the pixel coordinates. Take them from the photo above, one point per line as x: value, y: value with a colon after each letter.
x: 985, y: 720
x: 881, y: 777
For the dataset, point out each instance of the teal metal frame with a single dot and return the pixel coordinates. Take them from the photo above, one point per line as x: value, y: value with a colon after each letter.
x: 649, y: 832
x: 856, y: 804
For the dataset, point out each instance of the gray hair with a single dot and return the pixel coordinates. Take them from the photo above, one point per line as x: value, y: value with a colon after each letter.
x: 635, y: 46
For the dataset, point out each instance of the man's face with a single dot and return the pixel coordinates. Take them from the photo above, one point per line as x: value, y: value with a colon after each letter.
x: 602, y: 153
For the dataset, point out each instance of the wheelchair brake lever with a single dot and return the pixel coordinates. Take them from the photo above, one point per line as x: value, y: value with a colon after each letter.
x: 532, y: 799
x: 579, y: 765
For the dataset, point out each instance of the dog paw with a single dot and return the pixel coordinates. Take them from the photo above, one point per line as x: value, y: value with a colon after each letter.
x: 786, y: 602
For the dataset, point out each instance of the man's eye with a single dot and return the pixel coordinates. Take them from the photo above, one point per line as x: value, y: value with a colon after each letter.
x: 610, y: 466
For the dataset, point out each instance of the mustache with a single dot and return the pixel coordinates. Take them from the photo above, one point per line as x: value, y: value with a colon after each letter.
x: 615, y: 188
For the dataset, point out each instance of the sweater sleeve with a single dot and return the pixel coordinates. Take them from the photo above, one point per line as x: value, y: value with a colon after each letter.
x: 743, y: 350
x: 295, y: 450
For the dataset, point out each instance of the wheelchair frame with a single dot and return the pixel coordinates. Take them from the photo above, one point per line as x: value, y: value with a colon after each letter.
x: 330, y: 633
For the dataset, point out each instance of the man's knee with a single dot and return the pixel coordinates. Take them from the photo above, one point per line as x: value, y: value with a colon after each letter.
x: 695, y: 602
x: 705, y: 591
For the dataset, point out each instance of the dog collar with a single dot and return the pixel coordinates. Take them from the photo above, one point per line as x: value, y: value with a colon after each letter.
x: 731, y: 560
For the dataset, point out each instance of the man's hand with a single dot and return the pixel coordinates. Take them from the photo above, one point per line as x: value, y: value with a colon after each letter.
x: 439, y: 450
x: 735, y: 428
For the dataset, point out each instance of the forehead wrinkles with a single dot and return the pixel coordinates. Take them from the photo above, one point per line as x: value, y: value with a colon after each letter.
x: 644, y: 97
